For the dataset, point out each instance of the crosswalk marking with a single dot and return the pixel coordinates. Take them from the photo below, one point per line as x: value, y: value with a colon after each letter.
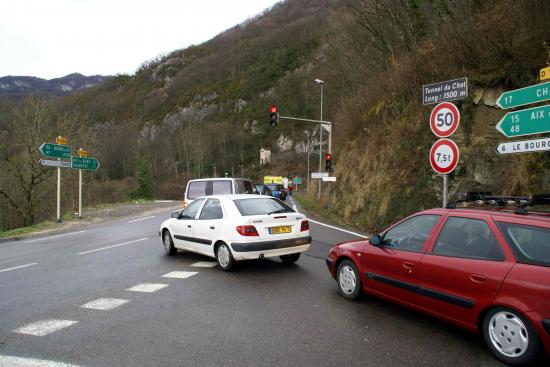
x: 147, y: 287
x: 205, y: 264
x: 44, y: 327
x: 12, y: 361
x: 180, y: 274
x: 105, y: 304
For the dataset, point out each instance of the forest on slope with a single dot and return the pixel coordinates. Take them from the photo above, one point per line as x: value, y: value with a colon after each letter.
x: 182, y: 114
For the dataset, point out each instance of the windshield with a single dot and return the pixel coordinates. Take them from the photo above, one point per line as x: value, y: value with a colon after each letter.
x: 261, y: 206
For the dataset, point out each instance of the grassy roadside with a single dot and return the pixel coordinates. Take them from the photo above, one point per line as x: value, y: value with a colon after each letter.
x: 90, y: 214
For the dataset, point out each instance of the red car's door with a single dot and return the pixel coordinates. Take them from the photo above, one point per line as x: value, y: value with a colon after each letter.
x: 391, y: 269
x: 462, y: 273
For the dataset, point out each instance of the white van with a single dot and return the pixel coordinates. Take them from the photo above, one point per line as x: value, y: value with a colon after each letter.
x: 217, y: 186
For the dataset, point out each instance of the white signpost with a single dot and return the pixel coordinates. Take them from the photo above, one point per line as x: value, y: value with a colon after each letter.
x: 50, y: 163
x: 524, y: 146
x: 329, y: 179
x: 319, y: 174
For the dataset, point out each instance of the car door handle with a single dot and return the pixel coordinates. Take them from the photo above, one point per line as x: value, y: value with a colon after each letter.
x: 212, y: 227
x: 408, y: 265
x: 189, y: 226
x: 478, y: 278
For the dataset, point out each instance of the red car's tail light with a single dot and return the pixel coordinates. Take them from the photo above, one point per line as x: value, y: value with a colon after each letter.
x: 304, y: 226
x: 247, y: 231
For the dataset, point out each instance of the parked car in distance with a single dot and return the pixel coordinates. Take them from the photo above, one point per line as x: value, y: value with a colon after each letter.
x: 216, y: 186
x: 262, y: 189
x: 232, y: 228
x: 278, y: 190
x: 484, y: 270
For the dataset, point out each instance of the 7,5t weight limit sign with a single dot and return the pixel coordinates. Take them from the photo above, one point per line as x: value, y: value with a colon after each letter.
x: 444, y: 119
x: 444, y: 156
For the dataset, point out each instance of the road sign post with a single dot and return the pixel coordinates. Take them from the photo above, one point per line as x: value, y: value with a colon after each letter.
x: 55, y: 150
x: 525, y: 122
x: 449, y: 90
x: 444, y: 119
x: 523, y: 96
x: 545, y: 73
x: 84, y: 163
x: 444, y: 156
x: 524, y: 146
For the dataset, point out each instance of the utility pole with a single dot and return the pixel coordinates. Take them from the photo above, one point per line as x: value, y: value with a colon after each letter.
x: 321, y: 83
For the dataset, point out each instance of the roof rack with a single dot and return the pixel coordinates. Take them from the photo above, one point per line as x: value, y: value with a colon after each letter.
x: 484, y: 197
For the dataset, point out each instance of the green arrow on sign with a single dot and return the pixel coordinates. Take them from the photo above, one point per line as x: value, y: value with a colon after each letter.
x: 523, y: 96
x: 90, y: 164
x: 55, y: 150
x: 525, y: 122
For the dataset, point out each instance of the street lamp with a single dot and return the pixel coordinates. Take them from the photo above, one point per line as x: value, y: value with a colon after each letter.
x: 321, y: 83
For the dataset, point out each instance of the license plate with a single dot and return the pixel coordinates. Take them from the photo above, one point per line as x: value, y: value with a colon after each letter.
x: 279, y: 230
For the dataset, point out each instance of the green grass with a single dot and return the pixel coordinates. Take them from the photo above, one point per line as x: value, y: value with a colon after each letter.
x: 18, y: 232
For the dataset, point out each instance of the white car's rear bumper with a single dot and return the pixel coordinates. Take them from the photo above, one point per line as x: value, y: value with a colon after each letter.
x: 255, y: 250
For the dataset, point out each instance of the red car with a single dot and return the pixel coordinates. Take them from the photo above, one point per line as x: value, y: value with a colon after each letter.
x: 483, y: 270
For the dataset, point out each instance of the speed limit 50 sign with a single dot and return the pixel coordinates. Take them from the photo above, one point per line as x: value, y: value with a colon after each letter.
x: 444, y: 156
x: 444, y: 119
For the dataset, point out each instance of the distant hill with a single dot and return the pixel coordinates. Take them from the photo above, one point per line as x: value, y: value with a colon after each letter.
x: 14, y: 87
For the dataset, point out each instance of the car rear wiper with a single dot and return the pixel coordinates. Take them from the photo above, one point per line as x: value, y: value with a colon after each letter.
x: 279, y: 211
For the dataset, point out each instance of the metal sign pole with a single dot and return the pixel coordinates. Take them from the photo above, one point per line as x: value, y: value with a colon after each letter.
x: 58, y: 220
x: 79, y: 194
x: 320, y: 158
x: 445, y: 189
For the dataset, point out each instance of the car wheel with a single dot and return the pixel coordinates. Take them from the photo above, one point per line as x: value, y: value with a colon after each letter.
x: 347, y: 278
x: 510, y: 337
x: 224, y: 257
x: 169, y: 244
x: 290, y: 259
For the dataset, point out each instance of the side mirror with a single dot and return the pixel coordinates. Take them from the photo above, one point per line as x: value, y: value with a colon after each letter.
x: 176, y: 214
x: 375, y: 240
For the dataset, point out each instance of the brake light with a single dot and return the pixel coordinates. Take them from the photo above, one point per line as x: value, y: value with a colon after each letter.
x: 247, y: 231
x: 304, y: 226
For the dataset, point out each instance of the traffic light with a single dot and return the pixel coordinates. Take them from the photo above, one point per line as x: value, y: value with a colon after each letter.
x: 328, y: 162
x: 273, y: 116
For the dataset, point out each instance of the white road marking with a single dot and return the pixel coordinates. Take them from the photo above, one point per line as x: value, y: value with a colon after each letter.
x: 205, y: 264
x: 109, y: 247
x: 48, y: 238
x: 339, y: 229
x: 11, y: 361
x: 137, y: 220
x: 44, y: 327
x: 105, y: 304
x: 18, y: 267
x: 147, y: 287
x: 164, y: 201
x: 180, y: 274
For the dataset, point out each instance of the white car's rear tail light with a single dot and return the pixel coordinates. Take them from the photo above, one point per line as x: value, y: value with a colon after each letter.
x: 304, y: 226
x: 247, y: 231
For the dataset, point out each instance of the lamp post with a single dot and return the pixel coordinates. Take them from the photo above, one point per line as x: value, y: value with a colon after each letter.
x: 321, y: 83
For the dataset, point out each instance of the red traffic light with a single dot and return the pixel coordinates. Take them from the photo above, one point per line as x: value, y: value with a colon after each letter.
x: 328, y: 156
x: 273, y: 109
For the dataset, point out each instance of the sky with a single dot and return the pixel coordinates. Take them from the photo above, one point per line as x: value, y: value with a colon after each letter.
x: 53, y: 38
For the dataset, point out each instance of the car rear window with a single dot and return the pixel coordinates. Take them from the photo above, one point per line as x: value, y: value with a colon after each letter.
x: 261, y: 206
x: 274, y: 187
x: 530, y: 244
x: 244, y: 187
x: 221, y: 187
x: 196, y: 189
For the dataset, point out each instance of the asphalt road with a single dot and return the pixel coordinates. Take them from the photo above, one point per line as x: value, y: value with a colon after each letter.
x: 264, y: 314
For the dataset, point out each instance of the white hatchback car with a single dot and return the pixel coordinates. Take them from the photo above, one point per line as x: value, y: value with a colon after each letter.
x: 237, y: 227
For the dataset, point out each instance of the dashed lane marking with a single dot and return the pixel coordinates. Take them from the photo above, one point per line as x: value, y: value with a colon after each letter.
x: 137, y: 220
x: 113, y: 246
x: 18, y: 267
x: 147, y: 287
x: 49, y: 238
x: 338, y: 229
x: 204, y: 264
x: 105, y: 304
x: 180, y: 274
x: 44, y: 327
x: 12, y: 361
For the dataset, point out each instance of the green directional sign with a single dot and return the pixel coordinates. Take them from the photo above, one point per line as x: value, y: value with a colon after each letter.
x: 523, y: 96
x: 90, y: 164
x: 525, y: 122
x: 55, y: 150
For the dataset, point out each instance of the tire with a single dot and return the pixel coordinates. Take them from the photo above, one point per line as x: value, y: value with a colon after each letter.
x: 290, y: 259
x: 504, y: 329
x: 168, y: 244
x: 224, y: 257
x: 348, y: 280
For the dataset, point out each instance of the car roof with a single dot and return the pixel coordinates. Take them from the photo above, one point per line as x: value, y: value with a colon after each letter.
x: 495, y: 213
x: 235, y: 196
x: 219, y: 179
